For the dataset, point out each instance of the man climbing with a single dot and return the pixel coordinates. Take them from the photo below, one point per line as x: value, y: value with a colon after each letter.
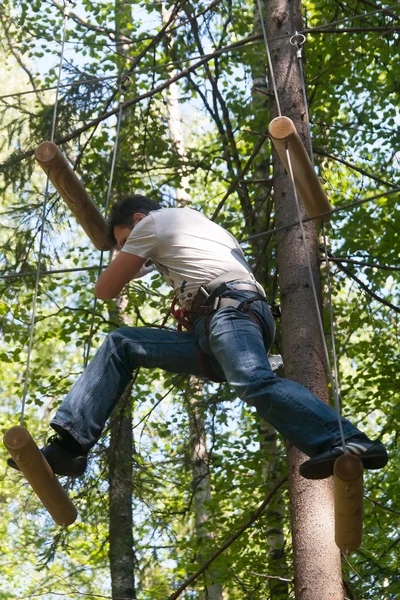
x: 232, y: 330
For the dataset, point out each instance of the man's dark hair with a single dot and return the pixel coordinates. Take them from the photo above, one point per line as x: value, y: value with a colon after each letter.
x: 123, y: 210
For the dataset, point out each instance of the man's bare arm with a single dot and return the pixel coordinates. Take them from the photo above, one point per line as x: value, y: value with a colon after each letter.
x: 121, y: 270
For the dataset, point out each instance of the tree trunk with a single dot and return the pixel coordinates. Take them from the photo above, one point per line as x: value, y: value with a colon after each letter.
x: 121, y: 551
x: 121, y: 544
x: 198, y: 446
x: 120, y: 464
x: 316, y: 557
x: 201, y: 487
x: 274, y: 515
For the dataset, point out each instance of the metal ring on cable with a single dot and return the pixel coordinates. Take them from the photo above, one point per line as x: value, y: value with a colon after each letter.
x: 124, y: 82
x: 297, y: 39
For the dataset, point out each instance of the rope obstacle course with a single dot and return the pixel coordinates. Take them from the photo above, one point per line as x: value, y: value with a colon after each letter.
x: 348, y: 484
x: 348, y: 469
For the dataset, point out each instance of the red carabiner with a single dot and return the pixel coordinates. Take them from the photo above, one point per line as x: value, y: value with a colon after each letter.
x: 182, y: 315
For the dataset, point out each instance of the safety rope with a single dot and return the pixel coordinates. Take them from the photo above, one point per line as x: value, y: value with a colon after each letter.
x: 315, y: 296
x: 123, y: 86
x: 332, y: 323
x: 298, y: 40
x: 321, y: 215
x: 271, y: 68
x: 43, y: 218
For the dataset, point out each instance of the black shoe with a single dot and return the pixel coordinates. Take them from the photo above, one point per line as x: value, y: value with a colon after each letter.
x: 62, y: 461
x: 372, y: 454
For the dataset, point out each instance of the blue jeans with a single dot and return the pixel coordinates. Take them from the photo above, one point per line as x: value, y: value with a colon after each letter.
x: 237, y: 349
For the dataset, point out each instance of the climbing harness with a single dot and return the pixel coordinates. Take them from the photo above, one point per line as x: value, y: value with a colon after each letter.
x: 182, y: 315
x: 211, y: 298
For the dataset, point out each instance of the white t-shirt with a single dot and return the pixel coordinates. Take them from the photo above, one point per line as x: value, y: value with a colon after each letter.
x: 188, y: 249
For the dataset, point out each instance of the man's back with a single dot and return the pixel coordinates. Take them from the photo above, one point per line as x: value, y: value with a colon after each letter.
x: 188, y: 249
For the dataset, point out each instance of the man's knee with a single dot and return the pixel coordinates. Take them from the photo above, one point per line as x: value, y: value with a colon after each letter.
x: 116, y: 338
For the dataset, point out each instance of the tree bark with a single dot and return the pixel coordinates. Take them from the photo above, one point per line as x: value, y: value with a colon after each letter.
x: 198, y: 445
x: 201, y: 488
x: 120, y: 465
x: 316, y: 557
x: 121, y: 541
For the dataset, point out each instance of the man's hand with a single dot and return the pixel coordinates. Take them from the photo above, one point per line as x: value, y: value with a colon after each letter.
x: 122, y: 269
x: 147, y: 268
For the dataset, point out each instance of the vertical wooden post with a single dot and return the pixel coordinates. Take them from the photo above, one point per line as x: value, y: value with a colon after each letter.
x: 348, y: 486
x: 39, y: 475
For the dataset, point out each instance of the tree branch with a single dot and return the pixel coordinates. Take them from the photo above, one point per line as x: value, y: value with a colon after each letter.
x: 271, y: 577
x: 81, y: 21
x: 362, y: 264
x: 156, y: 90
x: 21, y: 63
x: 224, y: 125
x: 381, y: 29
x: 363, y: 286
x: 396, y: 512
x: 353, y: 166
x: 253, y: 517
x: 237, y: 179
x: 379, y: 7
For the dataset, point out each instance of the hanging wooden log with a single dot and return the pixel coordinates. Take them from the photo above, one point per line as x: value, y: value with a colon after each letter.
x: 283, y: 134
x: 348, y: 489
x: 70, y: 188
x: 39, y: 475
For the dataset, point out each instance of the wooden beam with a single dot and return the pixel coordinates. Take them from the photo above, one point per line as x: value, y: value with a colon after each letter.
x: 283, y: 134
x: 70, y: 188
x: 39, y: 475
x: 348, y: 489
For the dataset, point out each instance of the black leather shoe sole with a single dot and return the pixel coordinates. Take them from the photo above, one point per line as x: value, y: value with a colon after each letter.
x: 64, y: 465
x: 321, y: 466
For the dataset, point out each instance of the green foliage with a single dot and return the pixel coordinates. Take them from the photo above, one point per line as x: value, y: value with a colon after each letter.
x: 352, y: 85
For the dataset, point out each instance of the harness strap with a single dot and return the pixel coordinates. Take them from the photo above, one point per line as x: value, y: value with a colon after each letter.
x: 231, y: 276
x: 182, y: 315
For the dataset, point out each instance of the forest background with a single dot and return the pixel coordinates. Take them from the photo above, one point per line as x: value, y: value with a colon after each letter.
x: 201, y: 462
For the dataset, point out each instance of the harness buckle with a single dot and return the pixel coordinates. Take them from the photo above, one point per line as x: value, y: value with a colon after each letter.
x: 205, y: 291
